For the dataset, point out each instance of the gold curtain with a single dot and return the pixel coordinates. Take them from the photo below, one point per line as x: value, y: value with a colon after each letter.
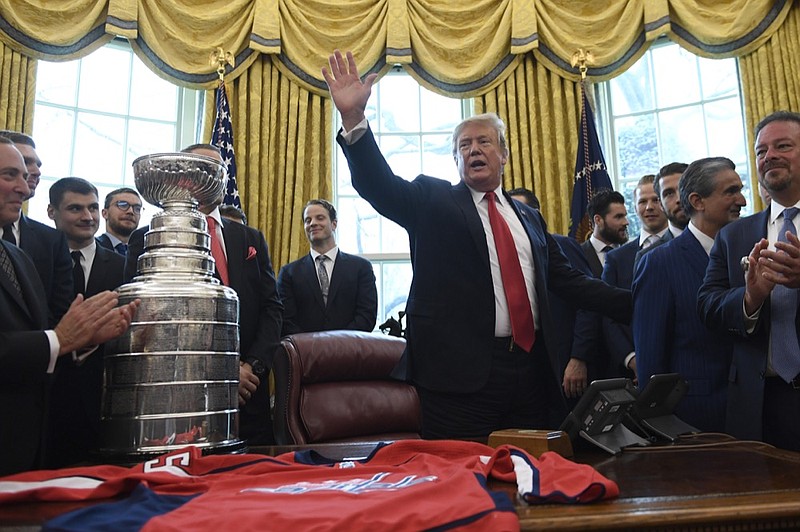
x: 771, y: 81
x: 283, y: 142
x: 18, y: 87
x: 541, y: 111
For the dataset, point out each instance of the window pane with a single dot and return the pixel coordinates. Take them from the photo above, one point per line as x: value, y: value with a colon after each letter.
x: 98, y: 148
x: 637, y: 145
x: 52, y: 131
x: 720, y: 78
x: 438, y: 160
x: 147, y: 137
x: 676, y: 76
x: 399, y: 101
x: 402, y: 152
x: 358, y: 230
x: 395, y: 279
x: 343, y: 182
x: 151, y: 96
x: 439, y: 113
x: 105, y: 80
x: 725, y: 124
x: 57, y: 82
x: 633, y: 91
x: 683, y: 134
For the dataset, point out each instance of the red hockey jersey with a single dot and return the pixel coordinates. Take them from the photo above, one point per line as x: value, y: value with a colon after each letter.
x: 406, y: 485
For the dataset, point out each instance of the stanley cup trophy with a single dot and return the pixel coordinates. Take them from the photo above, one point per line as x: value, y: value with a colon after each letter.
x: 172, y: 379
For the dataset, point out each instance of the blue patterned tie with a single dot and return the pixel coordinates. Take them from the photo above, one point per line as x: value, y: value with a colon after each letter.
x: 8, y: 268
x: 785, y: 347
x: 121, y: 248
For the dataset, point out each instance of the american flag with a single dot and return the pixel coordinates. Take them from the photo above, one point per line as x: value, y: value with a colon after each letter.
x: 591, y: 174
x: 222, y: 137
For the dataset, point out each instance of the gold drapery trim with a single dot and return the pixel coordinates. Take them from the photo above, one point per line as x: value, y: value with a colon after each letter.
x: 541, y: 111
x: 18, y: 85
x: 771, y: 81
x: 283, y: 139
x: 453, y: 49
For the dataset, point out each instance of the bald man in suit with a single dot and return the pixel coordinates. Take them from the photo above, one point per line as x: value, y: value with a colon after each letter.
x: 28, y: 349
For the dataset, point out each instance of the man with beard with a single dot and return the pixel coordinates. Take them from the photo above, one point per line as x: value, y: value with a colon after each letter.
x: 74, y: 428
x: 122, y: 211
x: 667, y: 331
x: 589, y: 358
x: 45, y: 245
x: 618, y: 271
x: 759, y: 306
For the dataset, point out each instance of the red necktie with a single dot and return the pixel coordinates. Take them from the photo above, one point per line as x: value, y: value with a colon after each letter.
x: 519, y: 306
x: 216, y: 250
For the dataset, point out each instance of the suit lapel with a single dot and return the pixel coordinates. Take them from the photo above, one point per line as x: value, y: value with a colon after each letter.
x: 308, y: 271
x: 692, y: 251
x: 592, y: 258
x: 24, y: 283
x: 337, y: 276
x: 235, y: 251
x: 463, y: 199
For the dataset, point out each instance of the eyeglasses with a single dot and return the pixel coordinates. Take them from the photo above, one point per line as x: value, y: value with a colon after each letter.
x: 124, y: 206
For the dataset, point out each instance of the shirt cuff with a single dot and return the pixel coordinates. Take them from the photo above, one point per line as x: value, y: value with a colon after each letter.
x: 82, y: 354
x: 628, y: 358
x: 352, y: 136
x: 55, y: 347
x: 751, y: 321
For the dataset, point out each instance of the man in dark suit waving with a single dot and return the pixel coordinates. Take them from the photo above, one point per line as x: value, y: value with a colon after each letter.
x: 481, y: 341
x: 326, y: 289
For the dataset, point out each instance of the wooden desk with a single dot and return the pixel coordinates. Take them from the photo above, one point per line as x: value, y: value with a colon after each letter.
x: 700, y: 484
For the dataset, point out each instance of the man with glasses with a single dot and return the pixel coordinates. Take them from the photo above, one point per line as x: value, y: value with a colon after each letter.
x: 122, y: 212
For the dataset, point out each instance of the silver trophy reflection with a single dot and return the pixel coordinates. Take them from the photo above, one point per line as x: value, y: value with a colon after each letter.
x: 172, y: 379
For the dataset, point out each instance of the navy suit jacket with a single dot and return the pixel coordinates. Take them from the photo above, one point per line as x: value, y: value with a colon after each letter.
x: 104, y: 241
x: 670, y: 337
x: 24, y: 357
x: 250, y: 274
x: 48, y: 249
x: 352, y: 296
x: 618, y: 271
x: 720, y: 302
x: 74, y: 420
x: 450, y: 309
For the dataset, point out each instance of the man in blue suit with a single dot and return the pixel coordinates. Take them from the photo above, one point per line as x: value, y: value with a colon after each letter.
x: 342, y: 296
x: 618, y: 271
x: 667, y: 332
x: 756, y: 306
x: 480, y: 352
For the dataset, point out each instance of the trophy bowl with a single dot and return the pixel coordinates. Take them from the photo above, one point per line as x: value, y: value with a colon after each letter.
x: 179, y: 177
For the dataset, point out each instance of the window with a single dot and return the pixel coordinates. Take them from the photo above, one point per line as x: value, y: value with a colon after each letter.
x: 672, y: 105
x: 95, y: 115
x: 413, y: 128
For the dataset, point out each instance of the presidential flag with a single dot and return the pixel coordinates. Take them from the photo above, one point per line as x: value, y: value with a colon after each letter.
x: 591, y: 174
x: 222, y: 137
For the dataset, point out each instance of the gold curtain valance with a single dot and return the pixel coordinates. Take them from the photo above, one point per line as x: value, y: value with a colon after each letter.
x: 453, y: 49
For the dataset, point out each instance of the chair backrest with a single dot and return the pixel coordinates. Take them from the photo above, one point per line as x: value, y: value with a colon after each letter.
x: 335, y: 386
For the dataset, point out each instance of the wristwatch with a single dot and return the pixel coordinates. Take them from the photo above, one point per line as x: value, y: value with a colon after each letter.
x: 258, y: 367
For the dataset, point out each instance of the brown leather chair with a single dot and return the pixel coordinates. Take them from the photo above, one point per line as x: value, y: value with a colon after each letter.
x: 334, y: 386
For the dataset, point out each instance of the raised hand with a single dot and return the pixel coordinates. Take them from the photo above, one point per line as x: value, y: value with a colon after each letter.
x: 349, y: 93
